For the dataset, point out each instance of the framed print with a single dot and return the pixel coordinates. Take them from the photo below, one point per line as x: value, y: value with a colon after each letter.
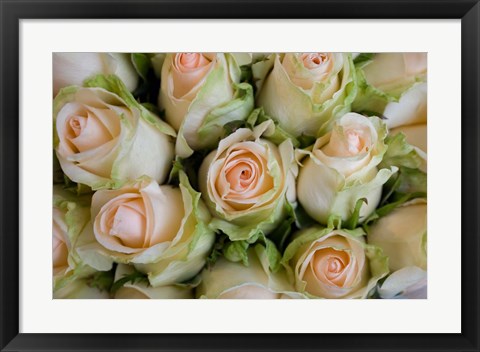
x: 253, y: 192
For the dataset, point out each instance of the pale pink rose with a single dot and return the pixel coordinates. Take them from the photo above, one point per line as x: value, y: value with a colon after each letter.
x: 183, y: 75
x: 188, y: 70
x: 342, y: 168
x: 248, y: 179
x: 199, y: 94
x: 333, y: 266
x: 160, y: 229
x: 314, y: 67
x: 304, y: 92
x: 103, y: 142
x: 127, y: 220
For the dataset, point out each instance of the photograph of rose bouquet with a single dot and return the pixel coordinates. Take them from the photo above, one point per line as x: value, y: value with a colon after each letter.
x: 240, y: 175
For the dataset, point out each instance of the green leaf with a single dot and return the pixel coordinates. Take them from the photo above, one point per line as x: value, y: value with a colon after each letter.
x: 188, y: 165
x: 389, y: 207
x: 238, y: 108
x: 102, y: 280
x: 279, y: 135
x: 400, y: 153
x: 142, y: 64
x: 352, y: 223
x: 232, y: 126
x: 246, y: 75
x: 133, y: 278
x: 306, y: 141
x: 302, y: 219
x: 334, y: 222
x: 273, y: 255
x: 217, y: 250
x: 237, y: 251
x: 281, y: 234
x: 363, y: 58
x: 412, y: 181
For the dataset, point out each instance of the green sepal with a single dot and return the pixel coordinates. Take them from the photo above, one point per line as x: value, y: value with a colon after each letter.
x: 133, y: 278
x: 237, y: 109
x: 101, y: 280
x: 142, y: 64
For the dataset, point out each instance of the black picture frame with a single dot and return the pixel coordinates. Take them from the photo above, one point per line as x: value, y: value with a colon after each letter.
x: 12, y: 11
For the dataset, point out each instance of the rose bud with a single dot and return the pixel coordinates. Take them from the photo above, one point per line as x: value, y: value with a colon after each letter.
x: 200, y: 93
x: 342, y: 168
x: 305, y: 91
x: 229, y: 280
x: 394, y: 85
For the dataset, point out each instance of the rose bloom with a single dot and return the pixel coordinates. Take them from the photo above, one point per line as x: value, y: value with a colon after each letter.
x: 392, y: 72
x: 330, y: 263
x: 196, y: 90
x: 394, y: 85
x: 229, y: 280
x: 342, y: 168
x: 161, y: 230
x: 102, y: 141
x: 305, y: 91
x: 247, y: 180
x: 402, y: 235
x: 73, y: 68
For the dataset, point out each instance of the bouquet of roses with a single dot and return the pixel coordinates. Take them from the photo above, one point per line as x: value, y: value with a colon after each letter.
x: 239, y: 175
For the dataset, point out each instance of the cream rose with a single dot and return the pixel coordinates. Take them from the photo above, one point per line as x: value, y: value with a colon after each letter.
x: 394, y: 85
x: 200, y: 93
x: 402, y: 234
x: 391, y: 72
x: 229, y: 280
x: 141, y: 290
x: 73, y: 68
x: 305, y: 91
x: 247, y: 181
x: 104, y: 139
x: 342, y: 168
x: 330, y: 263
x: 161, y: 230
